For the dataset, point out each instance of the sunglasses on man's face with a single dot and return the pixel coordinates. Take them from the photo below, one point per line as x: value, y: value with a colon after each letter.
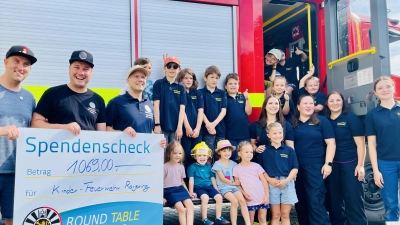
x: 172, y: 65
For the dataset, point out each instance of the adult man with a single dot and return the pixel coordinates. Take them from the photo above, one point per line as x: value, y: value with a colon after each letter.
x: 131, y: 112
x: 72, y: 106
x: 17, y: 105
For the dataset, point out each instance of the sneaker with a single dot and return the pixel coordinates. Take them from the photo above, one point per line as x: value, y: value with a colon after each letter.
x: 208, y: 222
x: 222, y: 220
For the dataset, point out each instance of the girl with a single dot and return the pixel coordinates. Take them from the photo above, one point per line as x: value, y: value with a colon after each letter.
x: 223, y: 168
x: 383, y: 132
x: 237, y: 111
x: 194, y: 113
x: 278, y: 90
x: 348, y: 164
x: 251, y: 178
x: 175, y: 191
x: 271, y: 113
x: 281, y: 167
x: 314, y: 142
x: 309, y: 85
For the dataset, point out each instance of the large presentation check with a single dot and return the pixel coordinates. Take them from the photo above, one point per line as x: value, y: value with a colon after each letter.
x: 93, y: 178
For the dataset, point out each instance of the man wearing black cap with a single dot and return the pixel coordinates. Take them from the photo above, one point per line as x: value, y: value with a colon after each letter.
x: 17, y: 105
x: 72, y: 106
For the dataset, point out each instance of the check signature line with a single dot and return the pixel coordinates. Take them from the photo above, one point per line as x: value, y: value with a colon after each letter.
x: 83, y: 195
x: 94, y: 175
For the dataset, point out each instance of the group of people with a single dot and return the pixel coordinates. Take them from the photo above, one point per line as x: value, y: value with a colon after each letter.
x: 293, y: 154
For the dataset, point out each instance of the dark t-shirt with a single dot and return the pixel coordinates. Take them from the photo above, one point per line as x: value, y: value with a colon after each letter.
x: 61, y: 105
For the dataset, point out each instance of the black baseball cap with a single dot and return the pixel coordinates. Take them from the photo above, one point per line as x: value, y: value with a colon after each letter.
x: 82, y: 56
x: 21, y: 51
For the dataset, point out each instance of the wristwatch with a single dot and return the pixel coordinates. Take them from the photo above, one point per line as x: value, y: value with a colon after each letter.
x: 157, y: 124
x: 328, y: 163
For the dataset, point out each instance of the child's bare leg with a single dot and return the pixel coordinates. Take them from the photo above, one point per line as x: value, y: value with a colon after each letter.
x: 251, y: 214
x: 181, y: 213
x: 204, y: 205
x: 189, y: 211
x: 262, y: 216
x: 234, y: 207
x: 285, y: 214
x: 243, y: 207
x: 276, y: 214
x: 218, y: 205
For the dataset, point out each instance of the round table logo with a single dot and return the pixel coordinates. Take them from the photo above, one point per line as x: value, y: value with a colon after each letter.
x: 43, y: 216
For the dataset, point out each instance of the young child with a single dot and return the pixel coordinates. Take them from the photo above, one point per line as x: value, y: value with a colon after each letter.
x: 215, y: 104
x: 194, y: 113
x: 280, y: 164
x: 253, y: 183
x: 228, y: 187
x: 175, y: 191
x: 272, y: 66
x: 169, y: 98
x: 309, y: 85
x: 238, y: 108
x: 278, y: 90
x: 148, y: 89
x: 202, y: 183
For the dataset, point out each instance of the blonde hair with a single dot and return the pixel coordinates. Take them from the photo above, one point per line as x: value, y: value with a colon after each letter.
x: 382, y: 79
x: 240, y: 147
x: 273, y: 125
x: 310, y: 79
x: 279, y: 78
x: 170, y: 149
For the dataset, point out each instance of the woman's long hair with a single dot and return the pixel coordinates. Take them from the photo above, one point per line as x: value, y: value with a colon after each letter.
x: 262, y: 121
x: 295, y: 119
x: 345, y: 106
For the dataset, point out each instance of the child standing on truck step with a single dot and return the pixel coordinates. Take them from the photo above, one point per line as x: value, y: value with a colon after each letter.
x: 238, y: 108
x: 193, y: 120
x: 279, y: 86
x: 202, y: 183
x: 309, y: 85
x: 215, y: 104
x: 169, y: 98
x: 175, y: 191
x: 253, y: 183
x: 228, y: 187
x: 281, y: 167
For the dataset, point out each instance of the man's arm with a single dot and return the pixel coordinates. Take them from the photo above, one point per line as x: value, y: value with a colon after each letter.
x: 38, y: 121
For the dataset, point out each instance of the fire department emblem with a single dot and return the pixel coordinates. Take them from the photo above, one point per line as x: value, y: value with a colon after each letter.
x: 24, y: 50
x: 82, y: 55
x: 43, y: 216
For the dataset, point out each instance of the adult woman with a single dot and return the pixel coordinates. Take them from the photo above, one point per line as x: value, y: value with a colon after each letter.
x: 383, y: 132
x: 271, y: 113
x: 314, y: 142
x: 344, y: 185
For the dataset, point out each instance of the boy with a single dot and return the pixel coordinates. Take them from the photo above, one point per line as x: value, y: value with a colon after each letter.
x: 215, y: 103
x: 203, y: 182
x: 148, y: 90
x: 169, y: 98
x: 272, y: 59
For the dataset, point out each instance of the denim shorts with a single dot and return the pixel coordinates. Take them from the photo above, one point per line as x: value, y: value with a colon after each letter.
x: 232, y: 189
x: 286, y: 195
x: 7, y: 183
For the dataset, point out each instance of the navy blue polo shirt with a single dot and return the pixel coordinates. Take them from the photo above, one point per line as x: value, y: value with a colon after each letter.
x: 319, y: 97
x: 259, y: 133
x: 385, y: 125
x: 236, y: 120
x: 346, y: 127
x: 268, y: 71
x: 282, y: 101
x: 309, y: 140
x: 171, y: 97
x: 194, y: 102
x: 290, y: 71
x: 278, y: 161
x: 125, y: 111
x: 213, y: 103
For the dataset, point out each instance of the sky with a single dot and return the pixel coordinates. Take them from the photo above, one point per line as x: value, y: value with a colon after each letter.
x: 362, y: 7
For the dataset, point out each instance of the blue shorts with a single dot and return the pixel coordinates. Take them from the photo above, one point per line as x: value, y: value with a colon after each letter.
x: 7, y: 184
x: 175, y: 194
x: 232, y: 189
x: 286, y: 195
x: 257, y: 207
x: 208, y: 190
